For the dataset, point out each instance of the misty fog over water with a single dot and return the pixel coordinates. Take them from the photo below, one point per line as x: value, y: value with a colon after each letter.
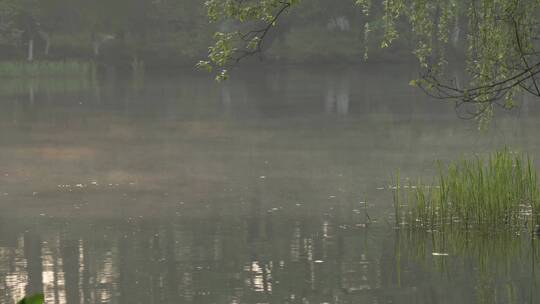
x: 273, y: 187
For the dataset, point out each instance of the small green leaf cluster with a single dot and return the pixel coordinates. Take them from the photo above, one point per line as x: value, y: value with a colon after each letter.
x: 230, y: 47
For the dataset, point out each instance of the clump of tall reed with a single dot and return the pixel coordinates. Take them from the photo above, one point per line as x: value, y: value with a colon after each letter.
x: 46, y: 68
x: 497, y: 190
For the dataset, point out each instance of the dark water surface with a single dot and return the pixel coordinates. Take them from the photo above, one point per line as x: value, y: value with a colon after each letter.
x: 175, y: 189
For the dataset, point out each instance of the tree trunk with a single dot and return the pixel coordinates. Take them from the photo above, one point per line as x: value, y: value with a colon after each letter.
x: 456, y: 33
x: 96, y: 44
x: 47, y: 39
x: 31, y: 49
x: 31, y: 94
x: 47, y: 47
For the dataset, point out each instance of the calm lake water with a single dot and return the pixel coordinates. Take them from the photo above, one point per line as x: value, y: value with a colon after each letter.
x: 274, y: 187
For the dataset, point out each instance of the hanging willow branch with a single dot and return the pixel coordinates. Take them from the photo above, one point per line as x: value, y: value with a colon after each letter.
x: 500, y: 43
x: 231, y: 47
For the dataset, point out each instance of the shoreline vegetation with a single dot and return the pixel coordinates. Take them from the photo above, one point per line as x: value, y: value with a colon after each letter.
x: 495, y: 191
x: 26, y: 69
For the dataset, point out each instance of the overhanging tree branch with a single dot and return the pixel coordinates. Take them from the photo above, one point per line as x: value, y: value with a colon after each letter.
x: 502, y: 60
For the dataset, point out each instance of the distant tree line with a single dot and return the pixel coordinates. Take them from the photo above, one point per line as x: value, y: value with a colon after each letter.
x: 116, y: 31
x: 168, y: 32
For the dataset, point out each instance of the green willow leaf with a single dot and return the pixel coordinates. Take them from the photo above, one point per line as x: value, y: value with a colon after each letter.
x: 34, y: 299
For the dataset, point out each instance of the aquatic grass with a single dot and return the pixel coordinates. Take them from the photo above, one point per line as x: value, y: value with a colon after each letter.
x: 46, y: 68
x: 498, y: 189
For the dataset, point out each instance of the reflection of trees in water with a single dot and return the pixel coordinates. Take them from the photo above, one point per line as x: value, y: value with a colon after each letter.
x: 201, y: 261
x: 337, y: 96
x: 13, y: 270
x: 264, y: 257
x: 32, y: 253
x: 275, y: 93
x: 492, y: 266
